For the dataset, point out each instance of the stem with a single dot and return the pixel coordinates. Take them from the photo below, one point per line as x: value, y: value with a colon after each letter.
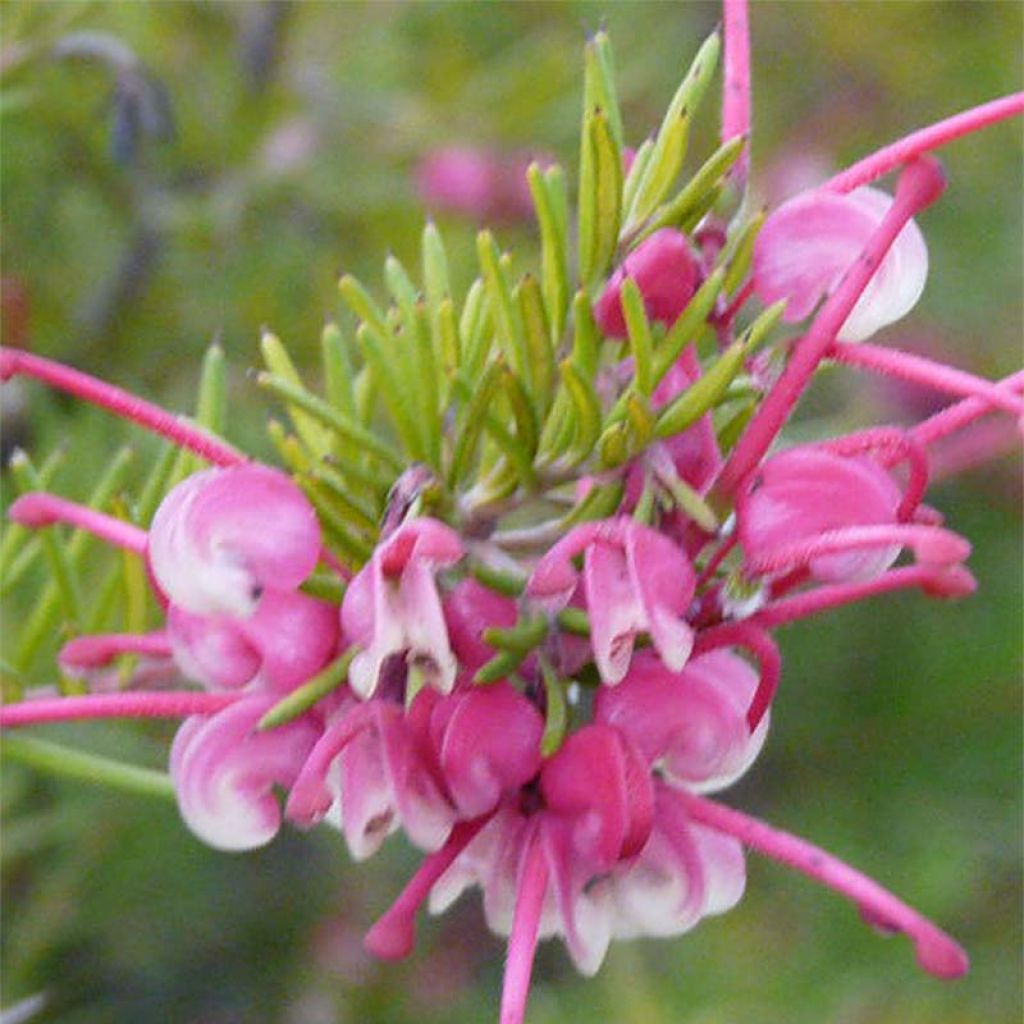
x: 937, y: 952
x: 169, y: 704
x: 910, y: 146
x: 761, y: 645
x: 920, y: 184
x: 55, y: 759
x: 926, y: 372
x: 522, y: 942
x: 940, y: 581
x: 394, y: 934
x: 120, y: 403
x: 38, y: 509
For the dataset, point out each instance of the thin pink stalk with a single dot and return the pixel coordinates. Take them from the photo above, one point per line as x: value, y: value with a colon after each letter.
x: 939, y: 581
x: 736, y: 82
x: 937, y: 953
x: 522, y: 942
x: 920, y: 185
x: 716, y: 559
x: 38, y: 509
x: 168, y: 704
x: 924, y: 140
x: 394, y: 934
x: 926, y: 372
x: 893, y: 444
x: 100, y: 649
x: 956, y: 417
x: 761, y: 645
x: 120, y: 403
x: 931, y: 544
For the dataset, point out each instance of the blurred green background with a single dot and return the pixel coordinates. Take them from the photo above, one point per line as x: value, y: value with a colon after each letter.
x: 243, y: 155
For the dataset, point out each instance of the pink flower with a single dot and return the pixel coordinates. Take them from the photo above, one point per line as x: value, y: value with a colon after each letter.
x: 666, y: 273
x: 223, y: 536
x: 476, y: 183
x: 224, y: 772
x: 392, y: 606
x: 838, y: 515
x: 634, y: 580
x: 808, y: 244
x: 469, y: 609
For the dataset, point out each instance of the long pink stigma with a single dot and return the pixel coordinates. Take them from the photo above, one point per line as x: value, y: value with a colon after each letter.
x: 892, y: 445
x: 931, y: 544
x: 761, y: 645
x: 522, y: 942
x: 38, y: 509
x: 166, y: 704
x: 938, y: 581
x: 962, y: 414
x: 736, y: 81
x: 121, y: 403
x: 100, y: 649
x: 919, y: 370
x: 902, y: 151
x: 920, y: 184
x: 394, y: 934
x: 937, y: 952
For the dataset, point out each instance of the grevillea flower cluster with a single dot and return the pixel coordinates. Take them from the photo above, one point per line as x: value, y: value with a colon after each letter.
x: 514, y: 593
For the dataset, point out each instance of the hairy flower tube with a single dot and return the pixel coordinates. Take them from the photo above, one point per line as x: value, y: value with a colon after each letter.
x: 523, y: 610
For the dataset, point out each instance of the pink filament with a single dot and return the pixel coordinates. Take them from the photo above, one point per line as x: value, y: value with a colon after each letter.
x: 120, y: 403
x: 168, y: 704
x: 394, y: 934
x: 38, y: 509
x: 761, y: 645
x: 927, y: 372
x: 736, y: 81
x: 937, y: 952
x: 522, y: 942
x: 913, y: 145
x: 919, y: 185
x: 943, y: 581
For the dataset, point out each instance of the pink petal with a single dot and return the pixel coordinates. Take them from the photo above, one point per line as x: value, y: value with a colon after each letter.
x: 211, y: 649
x: 224, y: 773
x: 224, y: 535
x: 808, y: 243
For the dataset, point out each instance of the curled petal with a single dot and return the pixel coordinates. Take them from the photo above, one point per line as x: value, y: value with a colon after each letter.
x: 469, y: 609
x: 808, y: 243
x: 692, y: 724
x: 223, y: 536
x: 224, y: 772
x: 489, y: 747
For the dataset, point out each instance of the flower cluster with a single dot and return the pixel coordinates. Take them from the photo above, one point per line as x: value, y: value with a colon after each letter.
x: 531, y: 626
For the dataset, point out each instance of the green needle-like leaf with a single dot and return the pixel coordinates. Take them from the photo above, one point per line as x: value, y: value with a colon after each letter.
x: 279, y: 363
x: 639, y: 331
x: 304, y: 697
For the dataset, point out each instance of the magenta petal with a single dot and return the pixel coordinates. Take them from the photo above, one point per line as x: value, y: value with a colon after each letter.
x: 296, y: 635
x: 490, y: 747
x: 615, y: 611
x: 222, y: 536
x: 224, y: 772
